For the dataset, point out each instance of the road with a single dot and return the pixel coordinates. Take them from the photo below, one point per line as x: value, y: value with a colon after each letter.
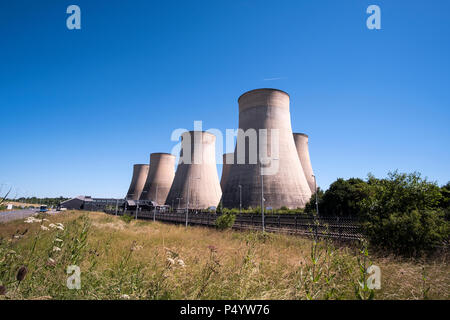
x: 10, y: 215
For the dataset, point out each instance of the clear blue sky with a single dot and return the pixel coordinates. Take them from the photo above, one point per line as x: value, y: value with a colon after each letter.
x: 79, y: 107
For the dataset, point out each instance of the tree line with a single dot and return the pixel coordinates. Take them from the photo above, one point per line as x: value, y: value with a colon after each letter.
x: 403, y: 212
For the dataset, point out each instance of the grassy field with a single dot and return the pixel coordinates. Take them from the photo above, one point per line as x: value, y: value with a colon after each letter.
x: 147, y: 260
x: 17, y: 205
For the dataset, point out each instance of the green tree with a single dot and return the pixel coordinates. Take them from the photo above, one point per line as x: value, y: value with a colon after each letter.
x: 402, y: 213
x: 445, y: 200
x: 342, y: 198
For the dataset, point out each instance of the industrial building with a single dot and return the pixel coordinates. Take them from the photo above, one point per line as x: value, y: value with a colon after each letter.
x: 266, y: 109
x: 196, y: 183
x: 77, y: 203
x: 160, y: 177
x: 228, y: 160
x: 246, y: 179
x: 301, y: 143
x: 89, y: 203
x: 140, y: 173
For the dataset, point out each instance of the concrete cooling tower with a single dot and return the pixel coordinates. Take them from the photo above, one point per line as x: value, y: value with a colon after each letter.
x: 266, y: 109
x: 160, y: 178
x: 301, y: 143
x: 225, y: 169
x: 196, y: 181
x: 140, y: 172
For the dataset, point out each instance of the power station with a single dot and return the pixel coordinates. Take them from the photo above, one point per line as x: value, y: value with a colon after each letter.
x: 266, y: 109
x: 269, y: 167
x: 301, y: 143
x: 228, y: 159
x: 196, y: 183
x: 140, y: 172
x: 160, y: 177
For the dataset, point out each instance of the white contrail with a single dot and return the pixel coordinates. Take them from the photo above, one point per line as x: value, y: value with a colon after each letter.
x: 272, y: 79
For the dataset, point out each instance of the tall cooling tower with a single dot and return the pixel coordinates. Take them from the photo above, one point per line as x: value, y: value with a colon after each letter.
x: 140, y: 172
x: 196, y: 176
x: 160, y: 177
x: 301, y: 142
x: 225, y: 169
x: 267, y: 109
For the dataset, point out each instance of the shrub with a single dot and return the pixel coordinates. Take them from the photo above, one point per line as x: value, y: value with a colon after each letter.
x: 408, y: 232
x: 402, y: 213
x: 126, y: 218
x: 342, y: 198
x: 310, y: 207
x: 445, y: 200
x: 225, y: 221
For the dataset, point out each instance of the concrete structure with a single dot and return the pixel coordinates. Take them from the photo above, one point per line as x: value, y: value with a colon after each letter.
x: 140, y: 172
x: 225, y: 169
x: 266, y: 109
x: 196, y: 183
x: 160, y: 177
x: 77, y: 203
x: 301, y: 143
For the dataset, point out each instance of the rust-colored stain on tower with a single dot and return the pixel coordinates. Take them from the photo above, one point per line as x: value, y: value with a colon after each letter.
x: 196, y: 183
x: 160, y: 177
x: 140, y: 172
x: 267, y: 109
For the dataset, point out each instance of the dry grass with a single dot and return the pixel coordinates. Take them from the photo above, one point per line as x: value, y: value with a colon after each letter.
x: 141, y: 260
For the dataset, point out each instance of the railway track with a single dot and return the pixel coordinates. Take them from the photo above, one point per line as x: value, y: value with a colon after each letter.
x: 331, y: 227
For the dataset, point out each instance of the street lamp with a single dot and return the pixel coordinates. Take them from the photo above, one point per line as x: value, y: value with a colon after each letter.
x: 156, y: 201
x: 137, y: 207
x: 179, y: 200
x: 262, y: 192
x: 240, y: 199
x: 187, y: 202
x: 317, y: 203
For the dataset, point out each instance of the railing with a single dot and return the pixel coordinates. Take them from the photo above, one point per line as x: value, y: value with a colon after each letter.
x: 343, y: 228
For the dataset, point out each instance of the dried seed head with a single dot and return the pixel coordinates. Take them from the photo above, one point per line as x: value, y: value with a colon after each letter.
x: 212, y: 248
x: 2, y: 290
x: 21, y: 273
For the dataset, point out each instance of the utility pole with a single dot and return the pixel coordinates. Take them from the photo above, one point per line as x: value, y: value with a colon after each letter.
x: 187, y: 201
x: 179, y: 201
x: 137, y: 207
x: 262, y: 195
x: 262, y: 191
x: 156, y: 200
x: 240, y: 199
x: 317, y: 202
x: 316, y: 222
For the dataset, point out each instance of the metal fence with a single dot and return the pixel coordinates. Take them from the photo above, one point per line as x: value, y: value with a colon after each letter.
x: 342, y: 228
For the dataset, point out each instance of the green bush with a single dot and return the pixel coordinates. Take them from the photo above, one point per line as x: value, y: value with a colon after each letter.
x: 445, y: 200
x: 342, y: 198
x: 408, y: 232
x: 225, y: 221
x: 403, y: 213
x: 126, y: 218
